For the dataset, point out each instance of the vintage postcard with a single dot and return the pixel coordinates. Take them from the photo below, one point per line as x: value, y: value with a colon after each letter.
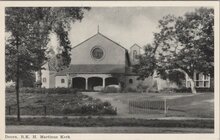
x: 112, y: 70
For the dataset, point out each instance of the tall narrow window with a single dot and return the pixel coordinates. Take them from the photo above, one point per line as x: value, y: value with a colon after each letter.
x: 135, y: 54
x: 44, y: 80
x: 130, y: 81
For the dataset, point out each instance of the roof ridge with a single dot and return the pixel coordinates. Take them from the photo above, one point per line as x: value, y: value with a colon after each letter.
x: 84, y: 41
x: 136, y: 45
x: 102, y: 36
x: 113, y: 41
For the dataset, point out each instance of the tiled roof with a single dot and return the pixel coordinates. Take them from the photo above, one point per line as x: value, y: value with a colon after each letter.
x: 93, y: 69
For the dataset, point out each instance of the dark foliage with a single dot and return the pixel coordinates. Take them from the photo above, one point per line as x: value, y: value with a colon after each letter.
x: 100, y: 121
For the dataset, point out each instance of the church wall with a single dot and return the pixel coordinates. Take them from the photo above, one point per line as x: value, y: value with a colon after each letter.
x: 52, y: 79
x: 113, y: 54
x: 61, y: 81
x: 45, y: 78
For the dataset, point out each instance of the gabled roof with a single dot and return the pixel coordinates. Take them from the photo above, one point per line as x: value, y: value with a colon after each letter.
x: 101, y: 35
x: 136, y: 45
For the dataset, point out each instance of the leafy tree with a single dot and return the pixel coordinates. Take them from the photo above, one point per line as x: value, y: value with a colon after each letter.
x: 147, y: 63
x: 185, y: 44
x: 65, y: 47
x: 28, y: 30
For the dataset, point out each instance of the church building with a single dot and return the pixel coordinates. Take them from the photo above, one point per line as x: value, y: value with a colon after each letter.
x: 98, y: 62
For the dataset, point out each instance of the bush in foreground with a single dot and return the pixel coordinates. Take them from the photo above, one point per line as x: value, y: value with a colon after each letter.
x: 95, y: 108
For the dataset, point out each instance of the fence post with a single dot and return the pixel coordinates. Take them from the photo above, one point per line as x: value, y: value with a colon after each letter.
x: 165, y: 107
x: 45, y: 110
x: 129, y: 107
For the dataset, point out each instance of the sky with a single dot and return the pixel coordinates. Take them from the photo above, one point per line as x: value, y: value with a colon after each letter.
x: 124, y: 25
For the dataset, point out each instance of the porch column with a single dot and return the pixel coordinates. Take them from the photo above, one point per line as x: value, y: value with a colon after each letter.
x: 103, y: 82
x: 86, y: 83
x: 68, y: 81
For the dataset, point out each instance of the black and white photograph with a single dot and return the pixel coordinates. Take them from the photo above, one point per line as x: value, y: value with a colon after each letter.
x: 110, y: 69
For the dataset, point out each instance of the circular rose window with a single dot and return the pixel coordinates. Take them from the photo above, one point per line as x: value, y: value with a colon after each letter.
x: 97, y: 53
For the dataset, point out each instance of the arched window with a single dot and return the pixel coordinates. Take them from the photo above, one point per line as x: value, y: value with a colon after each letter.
x: 130, y: 81
x: 44, y: 80
x: 62, y: 81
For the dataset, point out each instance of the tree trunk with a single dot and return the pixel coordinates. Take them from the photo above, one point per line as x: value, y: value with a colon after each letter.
x: 192, y: 83
x: 154, y: 80
x: 17, y: 95
x: 17, y: 83
x: 40, y: 77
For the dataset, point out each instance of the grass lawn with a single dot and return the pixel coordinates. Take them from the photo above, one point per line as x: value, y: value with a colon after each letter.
x: 179, y: 104
x: 57, y: 104
x: 184, y: 105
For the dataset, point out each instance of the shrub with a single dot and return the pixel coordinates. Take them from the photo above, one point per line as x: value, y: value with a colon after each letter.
x: 142, y: 88
x: 98, y: 108
x: 109, y: 110
x: 129, y: 89
x: 61, y: 90
x: 106, y: 103
x: 67, y: 111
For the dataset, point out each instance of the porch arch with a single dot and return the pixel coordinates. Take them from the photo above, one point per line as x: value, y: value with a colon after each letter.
x: 111, y: 81
x: 79, y: 83
x: 94, y: 82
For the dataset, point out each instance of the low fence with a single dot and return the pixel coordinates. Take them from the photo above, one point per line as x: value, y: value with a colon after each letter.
x: 61, y: 110
x: 148, y: 107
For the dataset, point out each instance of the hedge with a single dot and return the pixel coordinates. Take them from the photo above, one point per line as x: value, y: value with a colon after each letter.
x: 44, y: 90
